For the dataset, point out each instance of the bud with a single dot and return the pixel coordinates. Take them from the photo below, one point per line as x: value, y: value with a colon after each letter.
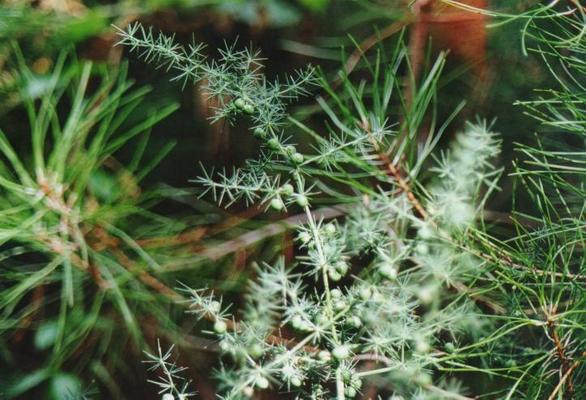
x: 274, y: 144
x: 297, y: 158
x: 388, y: 271
x: 302, y: 200
x: 341, y: 352
x: 262, y: 382
x: 220, y: 326
x: 295, y: 381
x: 290, y: 149
x: 277, y: 204
x: 355, y: 322
x: 304, y: 237
x: 248, y: 108
x: 287, y: 189
x: 240, y: 103
x: 324, y: 355
x: 215, y: 306
x: 330, y: 228
x: 259, y: 133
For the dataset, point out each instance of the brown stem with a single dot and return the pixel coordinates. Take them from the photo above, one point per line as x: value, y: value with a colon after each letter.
x: 566, y: 364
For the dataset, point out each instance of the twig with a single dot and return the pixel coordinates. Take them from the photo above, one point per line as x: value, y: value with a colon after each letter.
x: 564, y: 378
x: 562, y: 353
x: 252, y: 237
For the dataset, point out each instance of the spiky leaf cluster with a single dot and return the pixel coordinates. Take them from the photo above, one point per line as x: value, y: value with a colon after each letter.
x: 381, y: 292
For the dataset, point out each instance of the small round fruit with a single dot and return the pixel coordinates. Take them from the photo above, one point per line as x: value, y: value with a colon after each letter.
x: 304, y: 237
x: 297, y: 158
x: 389, y: 272
x: 274, y: 144
x: 248, y: 391
x: 220, y: 326
x: 225, y: 346
x: 330, y: 228
x: 324, y: 355
x: 336, y: 293
x: 255, y: 351
x: 240, y: 103
x: 365, y: 293
x: 450, y: 348
x: 215, y: 306
x: 334, y: 275
x: 168, y: 396
x: 277, y: 204
x: 295, y: 381
x: 341, y: 352
x: 290, y: 149
x: 341, y: 267
x: 302, y: 201
x: 259, y: 133
x: 248, y: 109
x: 287, y: 189
x: 355, y: 322
x: 262, y: 382
x: 339, y: 305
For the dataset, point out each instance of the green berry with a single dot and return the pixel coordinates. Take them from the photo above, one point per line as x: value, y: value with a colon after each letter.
x: 350, y: 392
x: 365, y: 293
x: 355, y: 322
x: 287, y: 189
x: 297, y: 158
x: 341, y: 352
x: 224, y: 346
x: 274, y: 144
x: 341, y: 267
x: 422, y: 248
x: 339, y: 305
x: 334, y: 275
x: 304, y: 237
x: 426, y: 294
x: 262, y: 382
x: 277, y: 204
x: 510, y: 363
x: 240, y: 103
x: 324, y: 355
x: 259, y: 133
x: 388, y: 271
x: 168, y: 396
x: 255, y: 351
x: 290, y: 149
x: 248, y: 391
x: 249, y: 108
x: 330, y: 228
x: 220, y: 326
x: 336, y: 293
x: 425, y: 232
x: 450, y: 348
x: 302, y: 201
x: 295, y: 381
x: 421, y: 346
x: 215, y: 306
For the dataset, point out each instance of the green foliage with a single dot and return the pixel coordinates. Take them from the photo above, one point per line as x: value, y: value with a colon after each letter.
x: 541, y: 336
x: 397, y: 282
x: 70, y: 219
x: 399, y: 309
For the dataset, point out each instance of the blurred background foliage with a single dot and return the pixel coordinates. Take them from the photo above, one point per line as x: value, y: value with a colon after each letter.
x: 121, y: 203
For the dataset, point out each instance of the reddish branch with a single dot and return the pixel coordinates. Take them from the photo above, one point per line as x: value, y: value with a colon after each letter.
x: 567, y: 365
